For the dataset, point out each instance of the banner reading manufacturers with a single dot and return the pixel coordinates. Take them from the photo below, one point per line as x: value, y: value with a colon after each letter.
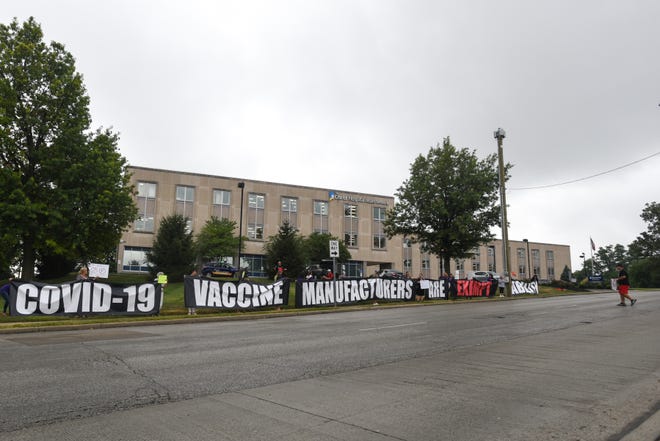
x: 84, y: 297
x: 344, y: 292
x: 199, y: 292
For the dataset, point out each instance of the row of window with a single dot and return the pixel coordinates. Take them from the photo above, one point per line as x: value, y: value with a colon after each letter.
x: 476, y: 261
x: 255, y: 216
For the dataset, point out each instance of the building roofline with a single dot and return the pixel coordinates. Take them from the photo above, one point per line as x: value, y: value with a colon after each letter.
x: 130, y: 166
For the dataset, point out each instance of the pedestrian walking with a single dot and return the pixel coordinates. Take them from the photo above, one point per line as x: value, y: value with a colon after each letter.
x: 622, y: 285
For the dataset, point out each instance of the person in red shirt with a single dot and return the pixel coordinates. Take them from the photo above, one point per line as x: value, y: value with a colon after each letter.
x: 622, y: 285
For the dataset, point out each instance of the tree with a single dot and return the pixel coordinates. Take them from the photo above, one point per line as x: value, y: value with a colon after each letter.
x: 172, y: 252
x: 449, y: 203
x: 216, y: 239
x: 317, y: 246
x: 288, y: 247
x: 644, y: 251
x: 66, y: 191
x: 565, y: 274
x: 606, y: 259
x: 647, y: 244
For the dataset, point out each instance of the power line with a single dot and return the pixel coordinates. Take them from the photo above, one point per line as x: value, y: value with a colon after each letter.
x: 587, y: 177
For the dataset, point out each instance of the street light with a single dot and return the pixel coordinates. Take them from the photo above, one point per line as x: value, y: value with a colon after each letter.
x: 241, y: 185
x: 529, y: 259
x: 500, y: 135
x: 584, y: 262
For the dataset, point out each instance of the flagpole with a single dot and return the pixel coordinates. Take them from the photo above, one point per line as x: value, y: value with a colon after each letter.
x: 592, y: 248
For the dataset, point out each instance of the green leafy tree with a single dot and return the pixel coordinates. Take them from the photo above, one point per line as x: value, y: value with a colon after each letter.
x: 647, y: 244
x: 644, y: 251
x: 286, y: 246
x: 449, y: 203
x: 216, y: 240
x: 645, y: 273
x: 173, y: 250
x: 317, y: 246
x: 606, y: 259
x: 66, y: 191
x: 565, y: 274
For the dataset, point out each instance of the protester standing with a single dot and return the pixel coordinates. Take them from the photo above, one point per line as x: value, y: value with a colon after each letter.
x: 279, y: 270
x: 5, y: 292
x: 193, y: 311
x: 622, y: 285
x: 501, y: 284
x: 82, y: 274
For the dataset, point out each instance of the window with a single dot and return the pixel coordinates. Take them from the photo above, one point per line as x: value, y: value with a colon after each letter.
x: 352, y: 268
x: 426, y: 265
x: 255, y: 221
x: 476, y: 260
x: 290, y: 211
x: 407, y: 254
x: 536, y: 262
x: 146, y: 203
x: 256, y: 264
x: 379, y: 239
x: 491, y: 259
x: 185, y: 197
x: 550, y: 264
x: 522, y: 264
x: 220, y: 204
x: 350, y: 225
x: 135, y: 259
x: 320, y: 217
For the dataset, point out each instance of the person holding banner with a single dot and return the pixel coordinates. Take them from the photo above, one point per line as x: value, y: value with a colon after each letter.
x: 622, y: 284
x: 193, y: 311
x: 417, y: 288
x: 82, y: 274
x: 4, y: 291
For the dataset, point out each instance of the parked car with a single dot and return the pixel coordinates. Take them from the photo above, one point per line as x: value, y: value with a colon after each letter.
x: 218, y: 269
x: 482, y: 276
x: 390, y: 274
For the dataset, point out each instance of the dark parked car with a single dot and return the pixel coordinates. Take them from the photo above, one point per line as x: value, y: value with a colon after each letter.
x: 218, y: 269
x: 390, y: 274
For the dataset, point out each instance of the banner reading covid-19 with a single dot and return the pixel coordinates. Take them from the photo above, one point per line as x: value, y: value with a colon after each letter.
x: 84, y: 297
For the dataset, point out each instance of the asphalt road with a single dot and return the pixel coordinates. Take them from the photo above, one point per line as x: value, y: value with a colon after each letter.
x: 563, y: 368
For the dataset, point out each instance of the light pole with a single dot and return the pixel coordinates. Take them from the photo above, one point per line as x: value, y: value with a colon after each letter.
x: 529, y: 260
x: 241, y: 185
x: 500, y: 134
x: 584, y: 262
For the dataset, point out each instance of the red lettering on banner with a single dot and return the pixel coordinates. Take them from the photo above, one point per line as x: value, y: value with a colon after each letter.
x: 472, y: 288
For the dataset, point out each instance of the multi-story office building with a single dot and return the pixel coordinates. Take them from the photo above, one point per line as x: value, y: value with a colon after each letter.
x: 262, y: 207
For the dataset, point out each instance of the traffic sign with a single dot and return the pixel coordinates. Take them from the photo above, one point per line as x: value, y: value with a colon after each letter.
x: 334, y: 248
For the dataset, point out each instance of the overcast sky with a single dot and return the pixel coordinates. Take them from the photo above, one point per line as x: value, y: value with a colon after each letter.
x: 344, y: 94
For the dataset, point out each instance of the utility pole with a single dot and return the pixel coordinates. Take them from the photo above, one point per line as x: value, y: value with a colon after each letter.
x: 500, y: 135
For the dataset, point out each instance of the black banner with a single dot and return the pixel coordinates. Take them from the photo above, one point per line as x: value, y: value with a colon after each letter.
x: 200, y: 292
x: 436, y: 290
x: 84, y: 297
x: 347, y: 291
x: 518, y: 287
